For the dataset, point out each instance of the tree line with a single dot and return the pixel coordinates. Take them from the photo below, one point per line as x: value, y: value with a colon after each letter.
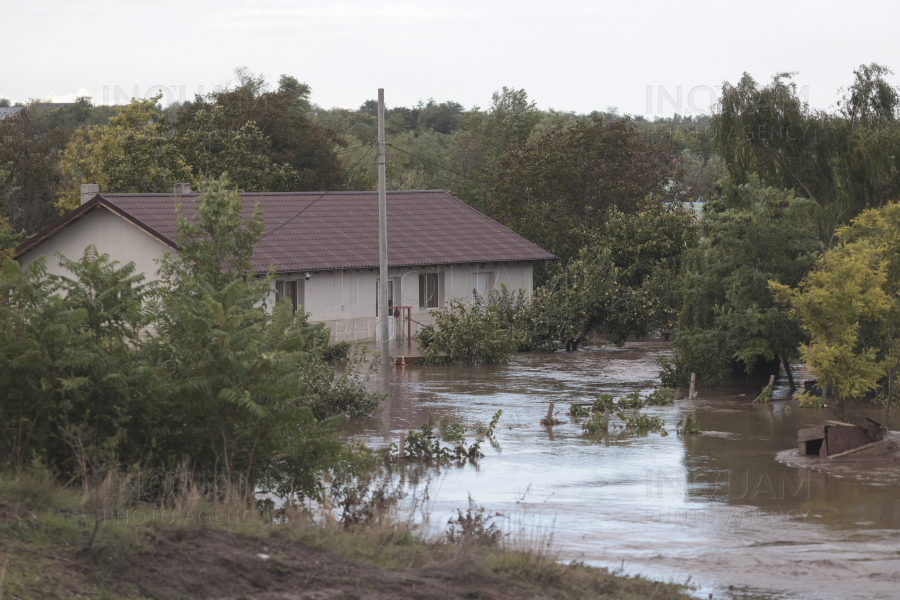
x: 615, y: 198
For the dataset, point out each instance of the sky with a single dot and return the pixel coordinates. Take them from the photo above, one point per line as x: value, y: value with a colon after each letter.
x: 644, y: 58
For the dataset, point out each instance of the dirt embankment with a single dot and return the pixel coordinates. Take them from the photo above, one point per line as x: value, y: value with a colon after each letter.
x: 216, y: 563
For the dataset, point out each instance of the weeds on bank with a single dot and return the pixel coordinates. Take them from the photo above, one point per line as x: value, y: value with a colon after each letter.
x: 43, y: 525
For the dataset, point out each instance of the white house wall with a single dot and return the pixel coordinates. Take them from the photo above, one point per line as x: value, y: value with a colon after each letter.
x: 345, y: 300
x: 112, y: 235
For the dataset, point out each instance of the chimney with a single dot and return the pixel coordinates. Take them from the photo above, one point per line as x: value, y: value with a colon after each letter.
x: 182, y: 188
x: 88, y: 191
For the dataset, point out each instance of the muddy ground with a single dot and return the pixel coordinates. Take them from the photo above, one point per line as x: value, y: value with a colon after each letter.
x: 207, y: 563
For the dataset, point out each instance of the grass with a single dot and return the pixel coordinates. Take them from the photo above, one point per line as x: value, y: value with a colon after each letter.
x: 185, y: 552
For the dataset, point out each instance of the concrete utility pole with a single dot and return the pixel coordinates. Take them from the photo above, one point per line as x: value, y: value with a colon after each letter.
x: 382, y: 327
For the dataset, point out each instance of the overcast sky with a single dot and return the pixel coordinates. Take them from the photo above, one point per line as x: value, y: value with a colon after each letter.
x: 568, y: 55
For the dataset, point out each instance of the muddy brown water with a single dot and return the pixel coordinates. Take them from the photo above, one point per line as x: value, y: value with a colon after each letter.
x: 719, y: 508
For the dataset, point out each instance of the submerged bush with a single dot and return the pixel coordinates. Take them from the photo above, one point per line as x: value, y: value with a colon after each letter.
x: 602, y: 402
x: 631, y: 401
x: 340, y: 351
x: 466, y: 334
x: 577, y: 411
x: 425, y: 445
x: 692, y: 425
x: 640, y: 421
x: 595, y: 424
x: 661, y: 397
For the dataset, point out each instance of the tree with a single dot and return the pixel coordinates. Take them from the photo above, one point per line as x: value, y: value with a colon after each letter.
x: 486, y: 137
x: 238, y: 375
x: 75, y: 391
x: 561, y: 183
x: 850, y: 306
x: 624, y: 283
x: 843, y: 162
x: 129, y: 154
x: 138, y: 151
x: 31, y: 156
x: 280, y: 115
x: 729, y: 322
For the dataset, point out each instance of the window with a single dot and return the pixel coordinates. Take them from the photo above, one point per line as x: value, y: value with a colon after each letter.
x: 428, y: 290
x: 286, y: 289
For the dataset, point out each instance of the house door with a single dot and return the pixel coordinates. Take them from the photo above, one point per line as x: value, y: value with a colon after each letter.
x: 480, y: 284
x: 392, y: 323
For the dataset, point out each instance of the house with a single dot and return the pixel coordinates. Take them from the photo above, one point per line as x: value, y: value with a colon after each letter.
x: 8, y: 112
x: 324, y: 248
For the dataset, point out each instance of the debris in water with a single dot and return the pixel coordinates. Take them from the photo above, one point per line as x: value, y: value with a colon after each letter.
x: 835, y: 437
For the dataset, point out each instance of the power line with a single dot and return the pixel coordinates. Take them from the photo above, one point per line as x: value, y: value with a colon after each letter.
x: 426, y: 160
x: 322, y: 195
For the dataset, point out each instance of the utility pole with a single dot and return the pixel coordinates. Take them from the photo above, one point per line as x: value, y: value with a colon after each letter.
x: 382, y: 327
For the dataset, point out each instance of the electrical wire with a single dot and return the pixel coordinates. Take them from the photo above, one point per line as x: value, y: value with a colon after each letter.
x: 426, y: 160
x: 322, y: 195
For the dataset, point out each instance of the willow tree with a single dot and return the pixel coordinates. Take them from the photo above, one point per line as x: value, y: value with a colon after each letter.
x: 843, y: 161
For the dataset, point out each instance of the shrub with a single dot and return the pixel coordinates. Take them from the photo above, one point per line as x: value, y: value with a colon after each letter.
x: 425, y: 445
x: 595, y: 424
x: 640, y: 421
x: 604, y: 401
x: 661, y: 397
x: 340, y: 351
x: 693, y: 425
x: 467, y: 335
x: 632, y: 400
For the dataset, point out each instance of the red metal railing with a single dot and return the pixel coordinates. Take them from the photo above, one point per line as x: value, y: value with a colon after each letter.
x: 395, y: 310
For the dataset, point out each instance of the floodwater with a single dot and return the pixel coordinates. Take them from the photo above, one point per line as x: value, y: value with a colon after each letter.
x: 718, y: 507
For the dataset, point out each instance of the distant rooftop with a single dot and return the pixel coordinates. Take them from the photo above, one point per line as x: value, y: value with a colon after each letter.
x: 8, y: 112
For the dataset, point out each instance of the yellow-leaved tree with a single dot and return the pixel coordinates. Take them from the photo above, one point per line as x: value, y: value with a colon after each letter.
x: 850, y: 306
x: 130, y: 153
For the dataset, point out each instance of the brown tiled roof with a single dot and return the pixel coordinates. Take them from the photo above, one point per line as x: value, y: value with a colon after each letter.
x: 315, y: 231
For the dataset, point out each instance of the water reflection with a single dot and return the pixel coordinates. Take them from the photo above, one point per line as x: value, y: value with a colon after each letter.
x: 717, y: 506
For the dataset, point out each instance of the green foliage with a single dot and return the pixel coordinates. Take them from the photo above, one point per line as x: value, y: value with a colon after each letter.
x: 595, y: 424
x: 661, y: 397
x: 625, y: 283
x: 810, y: 400
x: 101, y: 372
x: 640, y: 421
x: 426, y: 447
x: 843, y: 162
x: 340, y: 351
x: 451, y: 430
x: 849, y: 306
x: 467, y: 334
x: 70, y: 363
x: 565, y: 180
x: 29, y: 154
x: 729, y: 321
x: 692, y: 425
x: 604, y: 401
x: 577, y: 411
x: 631, y: 401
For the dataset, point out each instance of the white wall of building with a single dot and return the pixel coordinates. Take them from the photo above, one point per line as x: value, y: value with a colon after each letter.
x: 346, y: 300
x: 112, y: 235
